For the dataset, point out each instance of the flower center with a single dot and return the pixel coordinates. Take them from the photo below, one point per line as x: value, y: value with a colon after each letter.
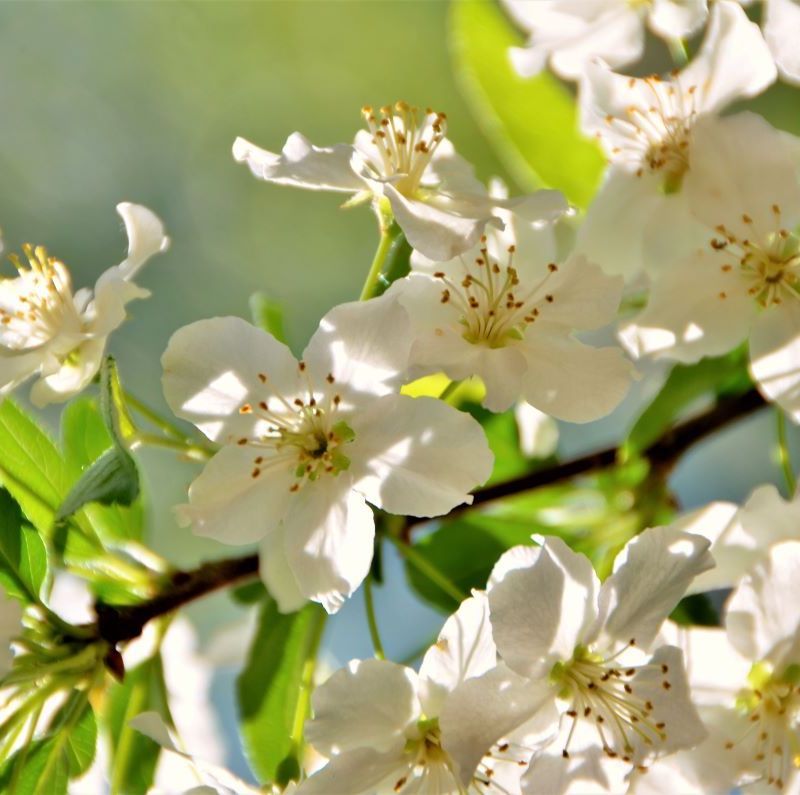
x: 406, y: 140
x: 494, y: 307
x: 655, y: 135
x: 37, y: 304
x: 302, y: 432
x: 603, y: 694
x: 772, y: 705
x: 770, y: 267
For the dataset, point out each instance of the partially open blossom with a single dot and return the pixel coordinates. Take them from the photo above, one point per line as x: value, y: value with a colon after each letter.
x: 743, y: 284
x: 507, y: 312
x: 646, y: 127
x: 403, y: 158
x: 568, y: 34
x: 307, y: 444
x: 378, y: 722
x: 583, y: 658
x: 48, y: 330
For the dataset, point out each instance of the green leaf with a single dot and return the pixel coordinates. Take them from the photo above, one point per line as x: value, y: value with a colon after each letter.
x: 84, y: 438
x: 464, y: 550
x: 23, y: 557
x: 273, y: 703
x: 135, y: 756
x: 686, y: 384
x: 267, y: 313
x: 31, y: 468
x: 45, y: 766
x: 531, y: 122
x: 398, y: 261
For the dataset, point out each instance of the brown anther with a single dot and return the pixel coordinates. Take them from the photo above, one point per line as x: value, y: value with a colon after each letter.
x: 439, y: 274
x: 298, y: 402
x: 242, y: 441
x: 552, y: 267
x: 255, y: 473
x: 259, y: 459
x: 294, y: 487
x: 746, y: 218
x: 565, y: 754
x: 549, y: 299
x: 246, y: 409
x: 262, y: 377
x: 263, y: 405
x: 329, y: 378
x: 666, y: 685
x: 664, y: 668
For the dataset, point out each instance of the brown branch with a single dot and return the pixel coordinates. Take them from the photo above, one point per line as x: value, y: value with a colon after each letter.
x: 117, y: 624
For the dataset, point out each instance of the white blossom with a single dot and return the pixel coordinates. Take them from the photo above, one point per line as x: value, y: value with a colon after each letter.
x: 781, y: 24
x: 582, y: 658
x: 538, y: 432
x: 306, y: 444
x: 507, y: 312
x: 48, y: 330
x: 744, y: 283
x: 378, y: 722
x: 568, y: 34
x: 405, y: 164
x: 640, y: 217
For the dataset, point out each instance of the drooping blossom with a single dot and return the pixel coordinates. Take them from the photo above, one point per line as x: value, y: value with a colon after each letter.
x: 507, y: 312
x: 378, y: 722
x: 583, y: 658
x: 567, y: 35
x: 743, y: 284
x: 48, y: 330
x: 640, y: 218
x: 305, y: 445
x: 404, y: 163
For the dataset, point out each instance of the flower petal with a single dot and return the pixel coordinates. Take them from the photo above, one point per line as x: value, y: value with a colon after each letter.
x: 541, y: 613
x: 329, y: 532
x: 418, y: 456
x: 227, y: 503
x: 212, y: 369
x: 145, y: 237
x: 650, y: 577
x: 782, y: 31
x: 359, y: 772
x: 364, y: 345
x: 276, y: 573
x: 538, y: 432
x: 367, y: 704
x: 676, y: 19
x: 302, y: 165
x: 72, y: 376
x: 569, y: 380
x: 763, y: 616
x: 696, y: 309
x: 775, y: 356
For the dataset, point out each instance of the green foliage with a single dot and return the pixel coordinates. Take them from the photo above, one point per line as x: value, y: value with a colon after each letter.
x: 23, y: 557
x: 45, y: 766
x: 272, y: 692
x: 268, y: 314
x: 686, y: 384
x: 531, y: 122
x: 135, y: 756
x: 398, y: 261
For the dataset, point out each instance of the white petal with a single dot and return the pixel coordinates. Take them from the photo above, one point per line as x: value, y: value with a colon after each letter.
x: 572, y: 381
x: 538, y: 432
x: 364, y: 345
x: 227, y: 503
x: 519, y: 557
x: 112, y: 293
x: 359, y: 772
x: 718, y: 70
x: 302, y: 165
x: 696, y: 309
x: 277, y: 574
x: 74, y: 375
x: 486, y: 708
x: 763, y: 617
x: 418, y: 456
x: 650, y: 577
x: 145, y: 237
x: 677, y: 18
x: 740, y: 192
x: 775, y: 356
x: 435, y: 231
x: 464, y: 649
x: 541, y: 613
x: 367, y: 704
x: 17, y: 367
x: 329, y: 532
x: 212, y: 368
x: 782, y: 32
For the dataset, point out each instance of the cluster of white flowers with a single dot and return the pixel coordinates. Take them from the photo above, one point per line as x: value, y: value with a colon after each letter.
x: 549, y: 680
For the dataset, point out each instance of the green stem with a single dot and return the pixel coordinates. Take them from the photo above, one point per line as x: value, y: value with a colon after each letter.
x: 194, y: 451
x: 783, y: 452
x: 307, y: 680
x: 165, y: 425
x: 379, y: 260
x: 427, y: 569
x: 371, y: 620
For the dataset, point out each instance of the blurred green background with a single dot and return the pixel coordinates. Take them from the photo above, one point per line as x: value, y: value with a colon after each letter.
x: 105, y: 102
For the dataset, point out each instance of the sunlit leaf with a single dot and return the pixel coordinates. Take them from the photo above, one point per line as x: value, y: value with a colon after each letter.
x: 23, y: 557
x: 267, y: 313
